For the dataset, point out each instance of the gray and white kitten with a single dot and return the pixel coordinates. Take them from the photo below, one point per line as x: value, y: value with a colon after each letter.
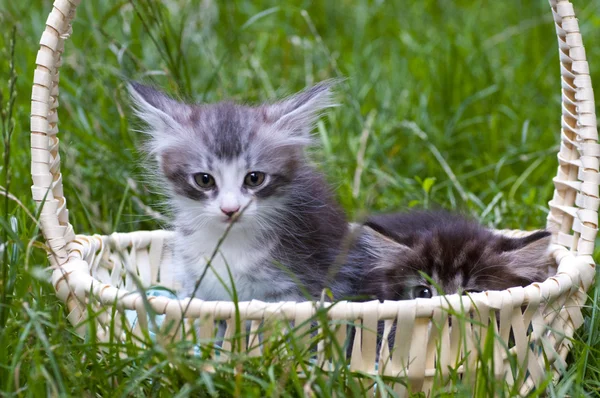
x: 457, y: 254
x: 224, y: 163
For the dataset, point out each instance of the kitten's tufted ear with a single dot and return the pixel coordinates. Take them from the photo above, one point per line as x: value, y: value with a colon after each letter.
x: 386, y: 250
x: 529, y: 256
x: 392, y: 227
x: 297, y: 115
x: 163, y: 115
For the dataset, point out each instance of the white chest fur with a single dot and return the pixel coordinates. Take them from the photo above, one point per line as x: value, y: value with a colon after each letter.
x: 240, y: 254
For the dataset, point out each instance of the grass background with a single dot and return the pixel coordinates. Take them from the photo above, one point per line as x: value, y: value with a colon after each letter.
x: 459, y: 102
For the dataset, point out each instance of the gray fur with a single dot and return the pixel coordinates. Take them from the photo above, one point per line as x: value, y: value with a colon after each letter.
x: 294, y: 228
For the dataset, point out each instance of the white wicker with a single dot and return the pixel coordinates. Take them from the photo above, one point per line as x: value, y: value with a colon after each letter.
x: 538, y: 320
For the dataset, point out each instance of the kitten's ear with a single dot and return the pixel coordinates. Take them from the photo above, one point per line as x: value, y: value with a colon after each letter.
x: 537, y: 241
x: 382, y: 247
x: 529, y: 256
x: 385, y: 225
x: 297, y: 115
x: 161, y: 113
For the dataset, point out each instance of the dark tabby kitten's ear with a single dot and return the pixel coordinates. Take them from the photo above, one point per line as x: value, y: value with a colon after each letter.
x: 528, y: 256
x: 387, y: 251
x: 297, y: 115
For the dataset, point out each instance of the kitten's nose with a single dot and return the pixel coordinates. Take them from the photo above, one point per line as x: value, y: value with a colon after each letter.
x: 230, y: 211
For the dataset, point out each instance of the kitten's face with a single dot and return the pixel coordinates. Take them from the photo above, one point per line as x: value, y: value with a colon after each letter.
x: 232, y: 167
x: 230, y: 162
x: 456, y: 259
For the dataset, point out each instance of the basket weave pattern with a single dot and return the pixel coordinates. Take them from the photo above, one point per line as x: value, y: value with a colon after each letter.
x: 540, y: 319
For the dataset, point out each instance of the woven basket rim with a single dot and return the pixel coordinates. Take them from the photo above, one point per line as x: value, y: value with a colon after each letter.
x: 85, y: 245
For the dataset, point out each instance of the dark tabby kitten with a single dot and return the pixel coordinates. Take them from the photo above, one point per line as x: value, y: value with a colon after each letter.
x: 227, y: 163
x: 457, y: 254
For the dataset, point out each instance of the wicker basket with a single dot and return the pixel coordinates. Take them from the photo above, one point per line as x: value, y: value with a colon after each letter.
x: 538, y: 320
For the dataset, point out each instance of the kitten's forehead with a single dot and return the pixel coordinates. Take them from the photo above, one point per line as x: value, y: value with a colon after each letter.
x: 225, y: 129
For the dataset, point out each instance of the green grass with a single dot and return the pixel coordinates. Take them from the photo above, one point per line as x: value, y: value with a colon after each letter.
x: 458, y: 103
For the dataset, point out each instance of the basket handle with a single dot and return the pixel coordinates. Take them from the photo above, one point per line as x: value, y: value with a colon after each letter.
x: 574, y: 206
x: 47, y: 189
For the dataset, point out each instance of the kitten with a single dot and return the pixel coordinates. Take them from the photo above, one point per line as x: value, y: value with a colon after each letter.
x: 226, y: 163
x: 458, y: 255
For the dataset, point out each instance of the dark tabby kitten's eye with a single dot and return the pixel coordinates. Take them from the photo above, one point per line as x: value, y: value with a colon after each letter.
x: 254, y: 178
x: 422, y: 292
x: 204, y: 180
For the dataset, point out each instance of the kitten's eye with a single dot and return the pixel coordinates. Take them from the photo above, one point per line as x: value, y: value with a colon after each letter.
x: 422, y: 292
x: 254, y: 178
x: 204, y: 180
